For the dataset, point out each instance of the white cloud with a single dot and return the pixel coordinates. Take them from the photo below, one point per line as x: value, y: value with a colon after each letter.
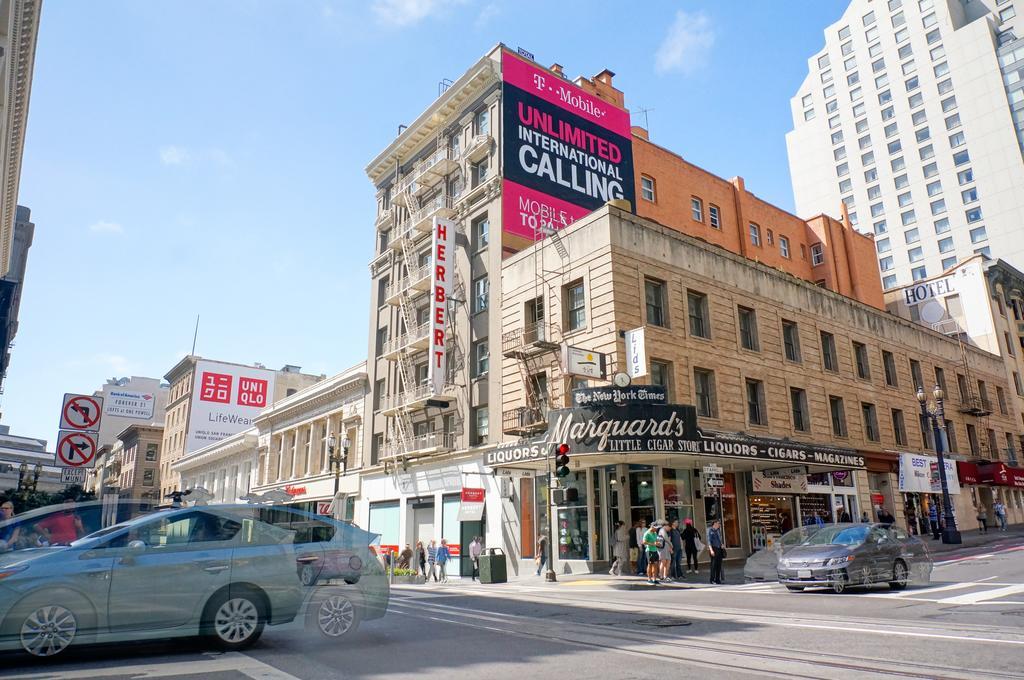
x: 687, y: 45
x: 407, y: 12
x: 488, y: 12
x: 105, y: 227
x: 173, y: 155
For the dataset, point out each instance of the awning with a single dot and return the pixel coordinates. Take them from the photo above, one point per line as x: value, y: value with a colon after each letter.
x: 968, y: 472
x: 1000, y: 474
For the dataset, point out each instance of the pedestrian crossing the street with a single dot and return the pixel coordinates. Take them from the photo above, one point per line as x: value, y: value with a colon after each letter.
x: 982, y: 592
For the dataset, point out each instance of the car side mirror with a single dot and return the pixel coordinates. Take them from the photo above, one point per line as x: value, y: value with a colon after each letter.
x: 135, y: 547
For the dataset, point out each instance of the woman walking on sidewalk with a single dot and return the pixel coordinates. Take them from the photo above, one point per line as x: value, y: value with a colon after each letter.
x: 1000, y: 512
x: 431, y: 562
x: 716, y: 546
x: 621, y: 549
x: 443, y: 555
x: 690, y: 538
x: 420, y: 559
x: 983, y: 519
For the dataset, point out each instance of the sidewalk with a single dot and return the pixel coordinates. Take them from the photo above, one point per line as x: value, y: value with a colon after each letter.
x: 975, y: 538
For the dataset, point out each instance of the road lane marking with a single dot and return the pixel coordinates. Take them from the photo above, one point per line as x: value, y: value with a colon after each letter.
x: 951, y: 586
x: 219, y: 663
x: 975, y: 598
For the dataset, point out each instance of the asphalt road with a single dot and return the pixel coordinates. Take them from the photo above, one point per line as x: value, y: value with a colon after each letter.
x: 968, y: 623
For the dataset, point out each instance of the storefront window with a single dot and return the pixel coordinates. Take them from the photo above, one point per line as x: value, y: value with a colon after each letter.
x: 641, y: 493
x: 597, y: 537
x: 842, y: 478
x: 527, y: 529
x: 770, y: 517
x: 815, y: 507
x: 573, y: 527
x: 384, y: 518
x: 451, y: 529
x: 677, y: 494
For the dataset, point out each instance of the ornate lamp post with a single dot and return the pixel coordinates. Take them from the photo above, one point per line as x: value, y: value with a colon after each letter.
x: 936, y: 414
x: 338, y: 459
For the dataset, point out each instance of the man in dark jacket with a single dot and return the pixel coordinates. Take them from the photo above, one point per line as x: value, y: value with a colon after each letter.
x: 885, y: 517
x: 690, y: 536
x: 716, y: 546
x: 677, y: 550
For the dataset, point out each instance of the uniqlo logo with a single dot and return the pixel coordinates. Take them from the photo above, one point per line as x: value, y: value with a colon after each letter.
x: 216, y: 387
x: 252, y: 392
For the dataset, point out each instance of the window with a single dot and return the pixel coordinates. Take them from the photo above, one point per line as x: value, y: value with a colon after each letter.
x: 948, y: 104
x: 826, y: 76
x: 919, y: 118
x: 888, y: 113
x: 895, y: 5
x: 926, y: 152
x: 915, y: 100
x: 889, y: 364
x: 883, y: 245
x: 884, y: 97
x: 929, y: 20
x: 714, y: 217
x: 891, y: 129
x: 870, y: 422
x: 965, y: 176
x: 481, y: 232
x: 828, y: 352
x: 880, y: 227
x: 874, y: 192
x: 948, y: 262
x: 909, y: 66
x: 844, y: 33
x: 923, y: 134
x: 901, y: 181
x: 878, y: 65
x: 868, y: 18
x: 898, y: 164
x: 908, y: 218
x: 654, y: 297
x: 481, y: 358
x: 807, y: 100
x: 915, y: 374
x: 864, y: 142
x: 951, y: 437
x: 478, y: 172
x: 899, y: 427
x: 915, y: 254
x: 919, y: 273
x: 934, y: 188
x: 1018, y: 385
x: 901, y: 35
x: 898, y: 20
x: 697, y: 209
x: 933, y: 36
x: 647, y: 188
x: 973, y: 215
x: 860, y: 354
x: 853, y: 78
x: 784, y: 246
x: 755, y: 231
x: 1000, y: 393
x: 904, y: 199
x: 886, y: 263
x: 704, y: 391
x: 828, y: 92
x: 969, y: 195
x: 148, y: 477
x: 833, y: 122
x: 930, y: 170
x: 801, y: 414
x: 871, y: 175
x: 972, y: 440
x: 151, y: 452
x: 481, y: 425
x: 942, y: 226
x: 575, y: 306
x: 817, y: 254
x: 842, y: 170
x: 867, y: 158
x: 850, y: 63
x: 889, y: 281
x: 846, y: 186
x: 700, y: 320
x: 756, y: 412
x: 874, y: 50
x: 895, y: 147
x: 838, y: 414
x: 1007, y: 14
x: 946, y: 245
x: 791, y: 340
x: 481, y: 293
x: 941, y: 69
x: 482, y: 122
x: 938, y: 207
x: 823, y: 61
x: 978, y: 234
x: 661, y: 375
x: 748, y: 328
x: 937, y: 53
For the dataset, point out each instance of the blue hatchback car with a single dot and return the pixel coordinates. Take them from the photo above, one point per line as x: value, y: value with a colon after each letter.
x: 222, y: 571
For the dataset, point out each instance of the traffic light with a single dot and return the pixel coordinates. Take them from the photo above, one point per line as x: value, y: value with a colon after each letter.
x: 565, y: 496
x: 562, y: 460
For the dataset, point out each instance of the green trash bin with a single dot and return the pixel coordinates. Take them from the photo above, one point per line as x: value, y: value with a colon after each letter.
x: 493, y: 568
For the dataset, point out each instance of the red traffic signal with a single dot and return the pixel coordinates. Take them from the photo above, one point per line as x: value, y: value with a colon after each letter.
x: 562, y: 460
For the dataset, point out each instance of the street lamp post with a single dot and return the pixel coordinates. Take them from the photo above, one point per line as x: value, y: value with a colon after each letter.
x: 936, y: 414
x: 338, y: 459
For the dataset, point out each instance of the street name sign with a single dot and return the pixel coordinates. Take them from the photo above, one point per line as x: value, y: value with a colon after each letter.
x: 713, y: 469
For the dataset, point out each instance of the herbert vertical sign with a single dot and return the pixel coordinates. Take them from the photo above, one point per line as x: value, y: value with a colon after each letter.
x: 565, y: 151
x: 442, y: 259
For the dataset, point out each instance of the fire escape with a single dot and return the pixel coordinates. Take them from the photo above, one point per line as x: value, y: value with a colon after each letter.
x: 420, y: 197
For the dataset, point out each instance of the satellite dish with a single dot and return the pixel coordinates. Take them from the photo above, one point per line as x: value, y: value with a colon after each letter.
x: 932, y: 311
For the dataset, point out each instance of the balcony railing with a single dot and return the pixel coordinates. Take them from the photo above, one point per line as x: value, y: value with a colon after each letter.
x: 398, y: 233
x: 412, y: 398
x: 416, y: 338
x: 533, y: 339
x: 435, y: 166
x: 441, y: 206
x: 416, y: 282
x: 975, y: 406
x: 477, y: 148
x: 524, y: 420
x: 385, y: 219
x: 431, y: 442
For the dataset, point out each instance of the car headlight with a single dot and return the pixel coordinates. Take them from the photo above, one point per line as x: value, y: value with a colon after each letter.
x: 839, y: 561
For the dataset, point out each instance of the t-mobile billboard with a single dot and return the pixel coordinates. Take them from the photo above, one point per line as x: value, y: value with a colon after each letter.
x: 566, y: 152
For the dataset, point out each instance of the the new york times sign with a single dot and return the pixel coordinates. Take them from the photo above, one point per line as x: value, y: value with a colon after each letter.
x: 664, y: 429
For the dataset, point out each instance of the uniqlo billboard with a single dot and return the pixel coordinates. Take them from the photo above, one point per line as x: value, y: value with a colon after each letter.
x: 225, y: 400
x: 565, y: 151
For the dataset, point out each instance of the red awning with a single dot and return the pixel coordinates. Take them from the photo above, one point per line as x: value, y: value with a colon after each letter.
x: 1001, y: 474
x: 968, y: 472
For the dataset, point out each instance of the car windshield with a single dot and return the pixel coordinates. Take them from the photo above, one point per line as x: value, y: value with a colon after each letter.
x: 798, y: 536
x: 838, y: 535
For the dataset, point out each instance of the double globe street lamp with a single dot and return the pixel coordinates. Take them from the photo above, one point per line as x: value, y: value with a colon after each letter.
x: 936, y: 414
x: 337, y: 459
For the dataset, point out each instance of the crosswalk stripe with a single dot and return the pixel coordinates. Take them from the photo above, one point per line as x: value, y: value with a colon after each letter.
x: 951, y: 586
x: 974, y: 598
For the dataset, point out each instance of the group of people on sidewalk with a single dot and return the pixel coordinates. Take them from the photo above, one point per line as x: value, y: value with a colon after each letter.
x: 432, y: 560
x: 998, y: 509
x: 657, y: 548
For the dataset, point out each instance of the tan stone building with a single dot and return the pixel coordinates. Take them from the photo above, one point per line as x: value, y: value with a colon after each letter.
x: 139, y: 460
x: 181, y: 433
x: 766, y: 358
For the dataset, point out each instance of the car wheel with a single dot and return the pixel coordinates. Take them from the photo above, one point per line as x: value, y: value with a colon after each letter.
x: 334, y: 615
x: 234, y: 620
x: 839, y: 584
x: 899, y: 576
x: 47, y: 630
x: 795, y: 589
x: 307, y: 575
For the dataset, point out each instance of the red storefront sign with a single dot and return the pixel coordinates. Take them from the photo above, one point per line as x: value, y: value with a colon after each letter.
x: 295, y: 490
x: 968, y: 472
x: 877, y: 499
x: 472, y: 495
x: 1000, y: 474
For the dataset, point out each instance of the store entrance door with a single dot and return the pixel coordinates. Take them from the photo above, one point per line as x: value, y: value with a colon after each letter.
x: 641, y: 494
x: 770, y: 517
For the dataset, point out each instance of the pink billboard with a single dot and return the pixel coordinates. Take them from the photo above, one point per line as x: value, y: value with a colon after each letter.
x: 565, y: 151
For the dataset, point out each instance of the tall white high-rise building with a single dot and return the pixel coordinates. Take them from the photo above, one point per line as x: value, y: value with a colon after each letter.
x: 912, y: 116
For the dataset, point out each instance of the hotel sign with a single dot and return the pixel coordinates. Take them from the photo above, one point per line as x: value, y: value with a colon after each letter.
x: 440, y: 288
x: 665, y: 429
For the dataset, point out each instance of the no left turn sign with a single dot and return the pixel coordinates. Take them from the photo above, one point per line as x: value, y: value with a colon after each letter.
x: 81, y: 412
x: 76, y: 449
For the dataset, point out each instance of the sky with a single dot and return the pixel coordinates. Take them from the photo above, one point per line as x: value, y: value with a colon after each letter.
x: 198, y: 157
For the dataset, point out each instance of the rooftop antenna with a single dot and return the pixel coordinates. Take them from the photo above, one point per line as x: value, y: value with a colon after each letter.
x: 646, y: 121
x: 195, y: 336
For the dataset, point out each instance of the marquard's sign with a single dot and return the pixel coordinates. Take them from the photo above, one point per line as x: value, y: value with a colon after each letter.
x: 671, y: 429
x: 440, y: 288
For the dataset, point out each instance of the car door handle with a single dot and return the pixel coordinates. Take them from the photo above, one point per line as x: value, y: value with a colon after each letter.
x: 98, y: 573
x: 215, y: 568
x: 308, y: 559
